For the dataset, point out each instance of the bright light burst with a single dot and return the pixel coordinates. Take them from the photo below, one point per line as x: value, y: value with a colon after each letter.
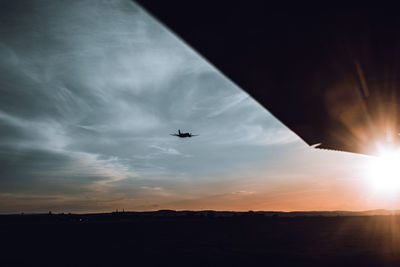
x: 384, y: 172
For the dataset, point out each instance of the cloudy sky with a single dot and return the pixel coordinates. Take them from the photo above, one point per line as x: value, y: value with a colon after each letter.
x: 91, y: 90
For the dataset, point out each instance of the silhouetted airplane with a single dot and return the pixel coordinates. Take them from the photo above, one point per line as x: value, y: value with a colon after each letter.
x: 183, y: 135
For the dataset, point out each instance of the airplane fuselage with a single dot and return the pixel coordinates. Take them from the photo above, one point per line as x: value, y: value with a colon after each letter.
x: 183, y: 135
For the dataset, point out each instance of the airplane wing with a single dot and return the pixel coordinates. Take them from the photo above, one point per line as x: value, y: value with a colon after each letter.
x: 331, y: 76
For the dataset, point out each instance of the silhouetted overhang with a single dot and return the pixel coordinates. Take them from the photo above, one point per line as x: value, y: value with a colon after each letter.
x: 330, y: 75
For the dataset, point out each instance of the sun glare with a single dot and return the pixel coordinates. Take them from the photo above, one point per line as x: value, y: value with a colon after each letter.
x: 384, y: 172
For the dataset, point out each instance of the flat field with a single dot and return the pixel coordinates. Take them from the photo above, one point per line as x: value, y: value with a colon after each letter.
x: 153, y: 239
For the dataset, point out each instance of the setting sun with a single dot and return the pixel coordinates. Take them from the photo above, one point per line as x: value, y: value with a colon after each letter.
x: 384, y: 172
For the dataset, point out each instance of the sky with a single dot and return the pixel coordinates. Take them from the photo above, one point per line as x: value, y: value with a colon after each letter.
x: 90, y: 93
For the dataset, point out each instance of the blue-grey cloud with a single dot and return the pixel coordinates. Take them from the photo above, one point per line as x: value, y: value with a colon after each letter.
x: 91, y: 91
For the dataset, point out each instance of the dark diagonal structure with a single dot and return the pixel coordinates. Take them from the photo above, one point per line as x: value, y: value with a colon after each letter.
x: 330, y: 75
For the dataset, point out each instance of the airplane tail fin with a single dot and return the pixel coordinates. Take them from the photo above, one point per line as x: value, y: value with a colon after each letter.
x: 179, y: 131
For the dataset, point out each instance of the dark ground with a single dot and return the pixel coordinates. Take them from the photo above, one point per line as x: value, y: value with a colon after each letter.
x: 199, y: 239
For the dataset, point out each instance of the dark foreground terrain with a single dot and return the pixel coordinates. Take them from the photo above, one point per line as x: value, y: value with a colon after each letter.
x: 168, y: 238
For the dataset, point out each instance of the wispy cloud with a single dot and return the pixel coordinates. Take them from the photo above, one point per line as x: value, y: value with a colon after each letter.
x: 91, y: 91
x: 166, y: 150
x: 227, y: 103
